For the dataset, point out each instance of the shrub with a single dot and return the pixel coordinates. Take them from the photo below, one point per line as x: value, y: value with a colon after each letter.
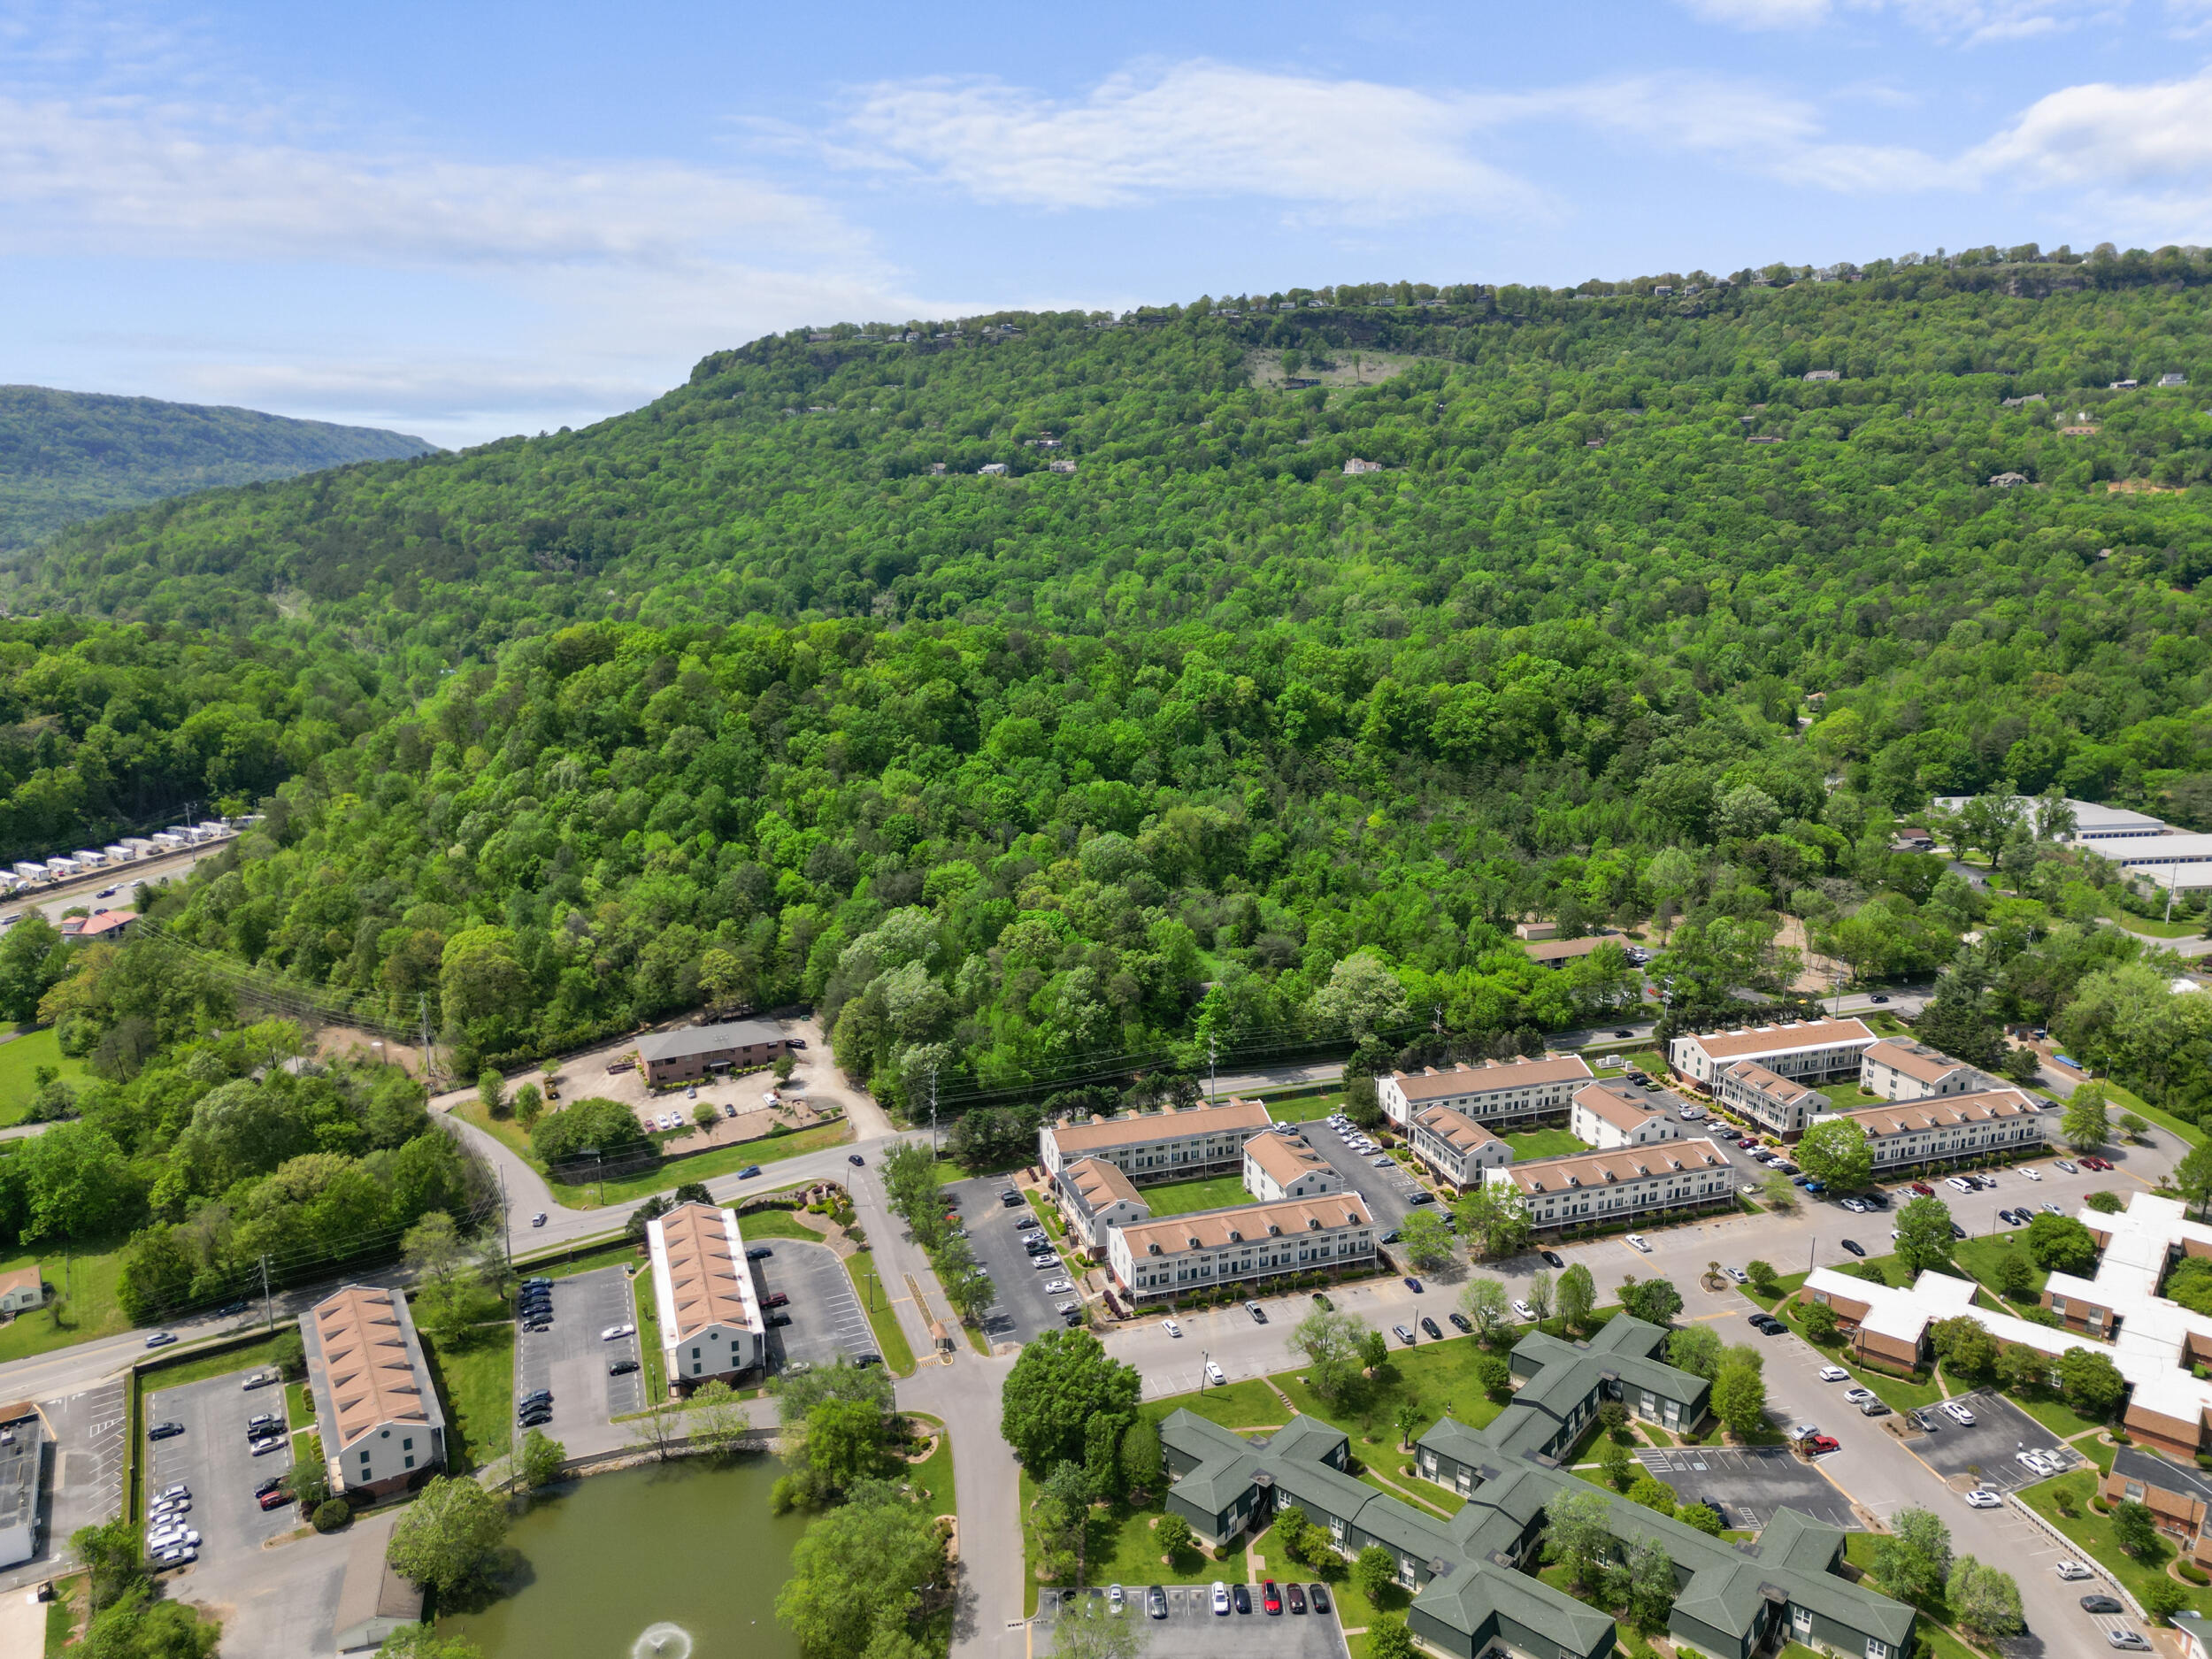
x: 332, y: 1514
x: 2103, y: 1203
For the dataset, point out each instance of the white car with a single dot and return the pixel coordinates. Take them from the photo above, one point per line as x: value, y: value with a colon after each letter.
x: 1170, y: 1327
x: 2068, y: 1165
x: 1737, y: 1274
x: 1214, y: 1375
x: 1115, y: 1599
x: 178, y: 1491
x: 1834, y: 1373
x: 1980, y: 1499
x: 1058, y: 1286
x: 1221, y: 1597
x: 2070, y: 1571
x: 1859, y: 1396
x: 1958, y: 1414
x: 1857, y: 1207
x: 1522, y: 1310
x: 1383, y: 1163
x: 1691, y: 1114
x: 2033, y: 1173
x: 2036, y: 1463
x: 616, y: 1332
x: 1639, y: 1242
x: 1957, y: 1185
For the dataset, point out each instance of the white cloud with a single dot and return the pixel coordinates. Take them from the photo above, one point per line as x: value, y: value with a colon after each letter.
x: 2110, y: 135
x: 1365, y: 151
x: 1970, y: 22
x: 1761, y: 14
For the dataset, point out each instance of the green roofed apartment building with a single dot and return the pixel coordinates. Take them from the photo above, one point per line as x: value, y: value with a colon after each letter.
x: 1475, y: 1592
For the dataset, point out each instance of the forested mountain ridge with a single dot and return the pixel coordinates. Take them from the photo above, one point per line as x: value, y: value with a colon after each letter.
x: 66, y: 457
x: 1028, y: 776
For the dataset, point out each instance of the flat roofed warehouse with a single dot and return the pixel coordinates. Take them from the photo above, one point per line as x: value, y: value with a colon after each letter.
x: 23, y: 1439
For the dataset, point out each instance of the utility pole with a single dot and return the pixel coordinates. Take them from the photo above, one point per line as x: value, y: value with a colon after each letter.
x: 429, y: 1066
x: 1213, y: 1083
x: 506, y: 1239
x: 268, y: 1308
x: 933, y: 1111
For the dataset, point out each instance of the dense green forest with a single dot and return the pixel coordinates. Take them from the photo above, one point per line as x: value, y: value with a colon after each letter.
x: 1036, y: 780
x: 66, y: 457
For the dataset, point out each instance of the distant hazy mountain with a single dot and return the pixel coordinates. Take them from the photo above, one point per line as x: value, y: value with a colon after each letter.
x: 71, y: 456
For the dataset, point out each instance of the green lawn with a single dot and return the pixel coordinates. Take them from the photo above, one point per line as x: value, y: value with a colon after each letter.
x: 1241, y: 1405
x: 252, y: 1357
x: 299, y: 1406
x: 1303, y: 1109
x: 1435, y: 1375
x: 700, y: 1167
x: 1542, y: 1143
x: 2155, y: 927
x: 84, y: 1305
x: 622, y: 1252
x: 932, y: 1478
x: 883, y: 1319
x: 1120, y: 1550
x: 1181, y: 1198
x: 2093, y: 1533
x: 778, y: 1223
x: 19, y: 1060
x: 649, y: 1337
x: 1982, y: 1257
x: 475, y: 1379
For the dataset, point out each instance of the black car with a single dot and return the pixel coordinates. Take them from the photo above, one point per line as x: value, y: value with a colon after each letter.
x: 535, y: 1394
x: 1318, y: 1594
x: 165, y: 1431
x: 534, y: 1420
x: 1877, y: 998
x: 1875, y: 1198
x: 758, y: 1253
x: 266, y: 1487
x: 779, y: 1318
x: 1854, y: 1246
x: 2099, y: 1604
x: 1552, y: 1258
x: 1322, y: 1302
x: 622, y: 1368
x: 1295, y: 1594
x: 1240, y: 1597
x: 1624, y: 1032
x: 1010, y: 1198
x: 1155, y: 1601
x: 855, y: 1160
x: 1413, y: 1284
x: 1435, y: 1335
x: 1459, y: 1321
x: 1716, y: 1506
x: 1958, y: 1232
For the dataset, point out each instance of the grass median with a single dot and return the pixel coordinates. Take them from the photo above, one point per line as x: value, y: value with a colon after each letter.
x: 2094, y: 1535
x: 475, y: 1375
x: 700, y: 1166
x: 883, y: 1318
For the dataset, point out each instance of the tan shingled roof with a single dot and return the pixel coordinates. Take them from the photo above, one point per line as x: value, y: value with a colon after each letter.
x: 1618, y: 1104
x: 1490, y: 1076
x: 1285, y: 1154
x: 371, y: 1380
x: 23, y: 1277
x: 1812, y: 1034
x: 1463, y: 1133
x: 1213, y: 1226
x: 1579, y: 1170
x: 1168, y: 1126
x: 1905, y: 1115
x: 1099, y: 1183
x: 1567, y: 950
x: 708, y: 1279
x: 1915, y: 1060
x: 1756, y: 1076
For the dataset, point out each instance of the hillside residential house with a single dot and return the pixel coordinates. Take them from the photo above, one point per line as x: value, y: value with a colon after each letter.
x: 1180, y: 1254
x: 1094, y: 1198
x: 1163, y: 1146
x: 1519, y: 1090
x: 1896, y: 1069
x: 704, y: 1295
x: 1610, y: 1114
x: 1952, y: 1129
x: 1599, y: 1188
x: 1807, y: 1051
x: 1472, y: 1595
x: 690, y: 1052
x: 1280, y: 1163
x: 1774, y: 1101
x: 377, y: 1414
x: 1455, y: 1146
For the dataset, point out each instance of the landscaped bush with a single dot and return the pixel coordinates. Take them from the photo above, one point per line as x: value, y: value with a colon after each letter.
x: 331, y: 1515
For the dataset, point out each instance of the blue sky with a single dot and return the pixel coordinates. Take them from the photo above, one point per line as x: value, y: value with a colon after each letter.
x: 468, y: 220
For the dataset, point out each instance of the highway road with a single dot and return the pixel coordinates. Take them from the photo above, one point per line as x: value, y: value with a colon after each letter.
x: 54, y: 903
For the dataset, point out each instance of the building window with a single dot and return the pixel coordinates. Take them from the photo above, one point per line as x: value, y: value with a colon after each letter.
x: 411, y: 1463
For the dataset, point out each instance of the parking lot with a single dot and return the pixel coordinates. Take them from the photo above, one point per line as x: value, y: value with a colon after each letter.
x: 1389, y: 1193
x: 213, y: 1458
x: 826, y: 1319
x: 572, y: 1360
x: 1987, y: 1451
x: 82, y: 1481
x: 1192, y: 1629
x: 1023, y: 1312
x: 1751, y: 1482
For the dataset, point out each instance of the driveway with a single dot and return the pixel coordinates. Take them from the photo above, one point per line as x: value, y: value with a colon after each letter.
x: 826, y: 1319
x: 572, y: 1361
x: 276, y: 1603
x: 213, y: 1458
x: 1389, y: 1193
x: 1193, y: 1630
x: 1988, y: 1453
x: 1023, y: 1310
x: 1751, y: 1483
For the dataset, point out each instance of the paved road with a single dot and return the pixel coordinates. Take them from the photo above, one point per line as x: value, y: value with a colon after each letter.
x: 988, y: 1623
x: 53, y: 903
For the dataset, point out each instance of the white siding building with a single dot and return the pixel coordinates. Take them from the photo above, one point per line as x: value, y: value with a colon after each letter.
x: 1493, y: 1091
x: 1897, y: 1070
x: 1096, y: 1198
x: 1821, y: 1049
x: 1955, y: 1127
x: 1182, y: 1254
x: 1280, y: 1163
x: 1611, y: 1114
x: 374, y: 1405
x: 702, y: 1291
x: 1586, y: 1189
x: 1772, y: 1101
x: 1457, y: 1147
x: 1167, y: 1146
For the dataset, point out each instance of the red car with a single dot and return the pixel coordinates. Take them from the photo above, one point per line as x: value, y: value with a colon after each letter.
x: 1820, y: 1443
x: 275, y: 1500
x: 1923, y: 1189
x: 2098, y: 1163
x: 1270, y: 1598
x: 777, y: 1298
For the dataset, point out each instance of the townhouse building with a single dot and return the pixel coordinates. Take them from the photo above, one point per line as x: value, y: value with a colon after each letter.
x: 1178, y: 1254
x: 1767, y: 1098
x: 1281, y: 1163
x: 1495, y: 1092
x: 1457, y: 1148
x: 1610, y: 1114
x: 382, y: 1426
x: 1636, y: 1184
x: 1095, y: 1197
x: 1951, y: 1129
x: 1805, y: 1051
x: 1164, y: 1146
x: 1898, y: 1070
x: 1472, y: 1597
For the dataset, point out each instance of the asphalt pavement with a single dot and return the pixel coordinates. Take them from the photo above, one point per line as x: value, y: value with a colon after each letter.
x: 570, y: 1359
x: 1024, y: 1310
